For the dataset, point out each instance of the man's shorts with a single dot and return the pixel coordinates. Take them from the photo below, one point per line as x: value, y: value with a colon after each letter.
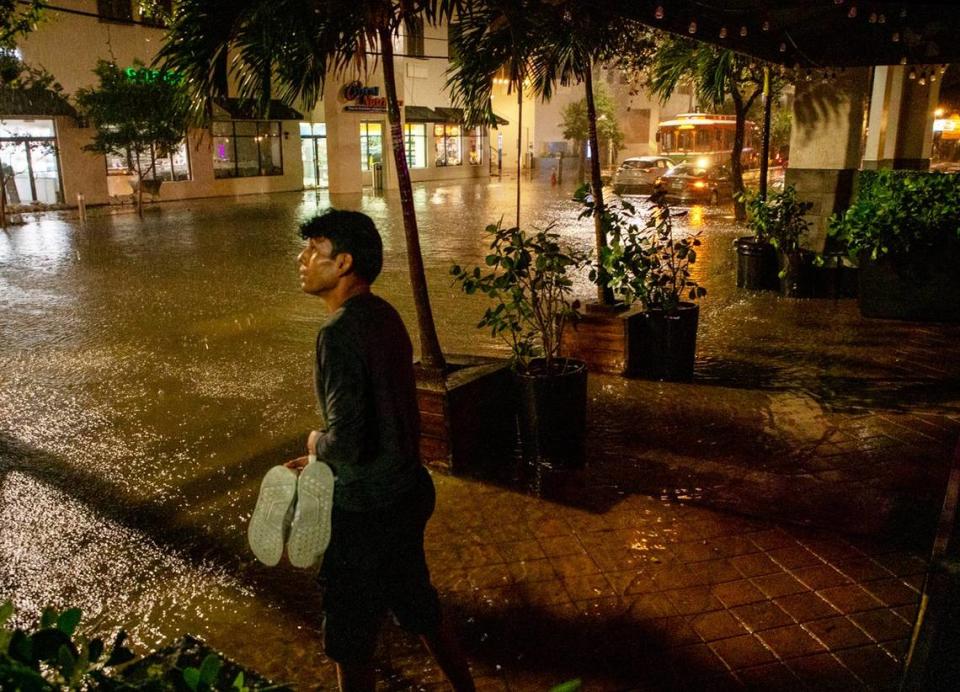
x: 375, y: 564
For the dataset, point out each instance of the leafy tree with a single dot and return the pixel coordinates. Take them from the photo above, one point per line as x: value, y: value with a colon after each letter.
x: 576, y: 124
x: 296, y: 45
x: 25, y: 90
x: 717, y: 74
x: 549, y: 42
x: 18, y: 18
x: 134, y: 113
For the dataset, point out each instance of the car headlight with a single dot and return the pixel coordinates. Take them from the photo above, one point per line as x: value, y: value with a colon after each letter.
x: 699, y: 184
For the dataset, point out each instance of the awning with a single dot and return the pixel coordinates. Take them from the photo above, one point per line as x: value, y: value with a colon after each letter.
x: 237, y: 109
x: 34, y: 102
x: 455, y: 115
x: 421, y: 114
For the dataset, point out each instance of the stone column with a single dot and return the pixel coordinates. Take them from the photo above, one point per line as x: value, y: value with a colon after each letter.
x: 343, y: 144
x: 900, y: 125
x: 825, y: 144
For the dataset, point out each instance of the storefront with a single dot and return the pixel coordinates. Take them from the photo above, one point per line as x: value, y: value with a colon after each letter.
x: 29, y: 161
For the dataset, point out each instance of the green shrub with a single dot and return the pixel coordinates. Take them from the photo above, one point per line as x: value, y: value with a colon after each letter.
x: 898, y: 213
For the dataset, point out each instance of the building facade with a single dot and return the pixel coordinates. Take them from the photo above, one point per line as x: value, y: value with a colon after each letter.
x: 341, y: 143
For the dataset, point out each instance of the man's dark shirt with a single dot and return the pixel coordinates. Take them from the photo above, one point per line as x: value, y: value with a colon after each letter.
x: 367, y: 392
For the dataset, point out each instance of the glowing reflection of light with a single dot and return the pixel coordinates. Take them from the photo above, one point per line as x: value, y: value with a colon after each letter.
x: 696, y: 215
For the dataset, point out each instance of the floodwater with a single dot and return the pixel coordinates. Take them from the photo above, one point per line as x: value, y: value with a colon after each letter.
x: 150, y: 371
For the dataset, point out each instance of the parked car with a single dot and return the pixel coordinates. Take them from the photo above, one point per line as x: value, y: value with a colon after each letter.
x: 638, y: 174
x: 688, y: 183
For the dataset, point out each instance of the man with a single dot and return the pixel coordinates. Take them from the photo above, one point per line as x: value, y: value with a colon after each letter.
x: 383, y: 496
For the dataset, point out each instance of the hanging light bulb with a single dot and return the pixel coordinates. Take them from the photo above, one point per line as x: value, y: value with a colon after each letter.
x: 872, y: 18
x: 852, y: 12
x: 896, y: 37
x: 882, y: 19
x: 765, y: 26
x: 743, y: 31
x: 692, y: 29
x: 913, y: 74
x: 808, y: 77
x: 783, y: 47
x: 923, y: 79
x: 659, y: 12
x: 943, y: 68
x: 903, y: 60
x: 933, y: 76
x: 723, y: 32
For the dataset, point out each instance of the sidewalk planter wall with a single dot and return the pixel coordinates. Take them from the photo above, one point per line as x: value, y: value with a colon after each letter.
x: 601, y: 339
x: 553, y: 413
x: 797, y: 274
x: 667, y: 343
x: 468, y: 422
x: 756, y: 265
x: 924, y: 288
x: 836, y: 278
x: 904, y: 228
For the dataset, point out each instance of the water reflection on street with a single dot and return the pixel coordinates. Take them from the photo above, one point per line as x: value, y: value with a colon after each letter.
x: 150, y: 371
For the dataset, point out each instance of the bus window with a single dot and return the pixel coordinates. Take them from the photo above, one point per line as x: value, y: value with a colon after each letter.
x: 685, y: 140
x: 705, y: 140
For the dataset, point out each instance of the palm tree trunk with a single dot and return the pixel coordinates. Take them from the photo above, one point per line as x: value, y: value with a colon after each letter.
x: 519, y: 143
x: 736, y: 163
x: 604, y: 293
x: 431, y: 357
x: 765, y: 146
x: 3, y: 201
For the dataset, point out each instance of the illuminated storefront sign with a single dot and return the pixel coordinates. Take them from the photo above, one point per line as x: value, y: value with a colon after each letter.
x: 364, y: 99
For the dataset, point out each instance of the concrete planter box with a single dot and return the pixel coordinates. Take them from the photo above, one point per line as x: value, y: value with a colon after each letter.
x: 468, y: 421
x: 922, y: 288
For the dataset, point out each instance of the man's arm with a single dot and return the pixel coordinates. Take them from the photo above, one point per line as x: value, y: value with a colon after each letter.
x: 342, y: 383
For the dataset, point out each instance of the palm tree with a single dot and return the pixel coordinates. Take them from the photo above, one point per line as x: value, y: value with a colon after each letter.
x: 717, y: 74
x: 288, y: 49
x: 549, y: 42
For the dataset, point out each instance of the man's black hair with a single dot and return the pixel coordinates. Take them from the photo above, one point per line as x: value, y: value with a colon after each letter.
x: 350, y: 232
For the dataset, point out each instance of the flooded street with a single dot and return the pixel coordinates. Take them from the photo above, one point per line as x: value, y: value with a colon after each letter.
x: 150, y: 372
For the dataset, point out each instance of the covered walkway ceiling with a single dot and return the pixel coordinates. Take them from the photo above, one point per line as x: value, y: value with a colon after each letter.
x: 814, y: 33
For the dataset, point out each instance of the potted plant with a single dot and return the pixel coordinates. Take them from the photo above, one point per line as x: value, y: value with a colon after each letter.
x: 668, y: 343
x: 904, y: 229
x: 756, y: 257
x: 529, y: 279
x: 779, y: 217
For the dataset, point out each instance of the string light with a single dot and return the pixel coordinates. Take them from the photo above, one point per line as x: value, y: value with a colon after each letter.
x: 913, y: 74
x: 873, y: 18
x: 659, y: 12
x: 903, y: 60
x: 852, y: 12
x: 896, y: 37
x: 783, y: 47
x: 923, y: 79
x: 765, y: 26
x: 882, y: 19
x: 692, y: 29
x: 743, y: 31
x: 723, y: 32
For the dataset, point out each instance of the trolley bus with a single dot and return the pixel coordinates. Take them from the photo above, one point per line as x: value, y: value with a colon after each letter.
x: 701, y: 137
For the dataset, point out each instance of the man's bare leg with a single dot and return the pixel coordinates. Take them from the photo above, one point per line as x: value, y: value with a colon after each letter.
x: 445, y: 648
x: 356, y: 677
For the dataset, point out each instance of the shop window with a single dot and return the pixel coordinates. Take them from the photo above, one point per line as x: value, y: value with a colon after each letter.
x: 371, y: 145
x: 246, y: 148
x: 452, y: 29
x: 174, y: 167
x: 474, y: 146
x: 447, y: 145
x: 115, y: 10
x: 415, y: 144
x: 414, y: 42
x: 156, y: 12
x: 28, y: 157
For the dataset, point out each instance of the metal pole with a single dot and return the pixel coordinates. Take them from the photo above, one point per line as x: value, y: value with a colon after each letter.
x: 82, y: 208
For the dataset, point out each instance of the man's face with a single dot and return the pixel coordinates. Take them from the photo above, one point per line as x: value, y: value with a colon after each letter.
x: 319, y: 272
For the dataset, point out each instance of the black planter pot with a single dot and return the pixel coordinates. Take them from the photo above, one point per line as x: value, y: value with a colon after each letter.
x: 835, y: 278
x: 553, y: 413
x: 756, y: 265
x: 923, y: 287
x: 797, y: 274
x: 666, y: 344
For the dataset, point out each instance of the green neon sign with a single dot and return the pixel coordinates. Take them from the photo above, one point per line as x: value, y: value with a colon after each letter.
x: 145, y: 75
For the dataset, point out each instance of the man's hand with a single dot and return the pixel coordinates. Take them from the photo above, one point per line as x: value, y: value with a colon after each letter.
x: 297, y: 464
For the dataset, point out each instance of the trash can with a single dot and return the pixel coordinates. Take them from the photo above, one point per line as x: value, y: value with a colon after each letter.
x: 378, y: 176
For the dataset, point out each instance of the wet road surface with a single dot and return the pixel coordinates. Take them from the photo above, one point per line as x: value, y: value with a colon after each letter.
x: 150, y: 372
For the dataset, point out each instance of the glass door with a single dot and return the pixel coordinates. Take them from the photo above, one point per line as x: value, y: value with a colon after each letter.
x: 313, y: 151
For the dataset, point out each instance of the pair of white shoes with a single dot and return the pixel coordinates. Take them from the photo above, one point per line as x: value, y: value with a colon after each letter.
x: 293, y: 509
